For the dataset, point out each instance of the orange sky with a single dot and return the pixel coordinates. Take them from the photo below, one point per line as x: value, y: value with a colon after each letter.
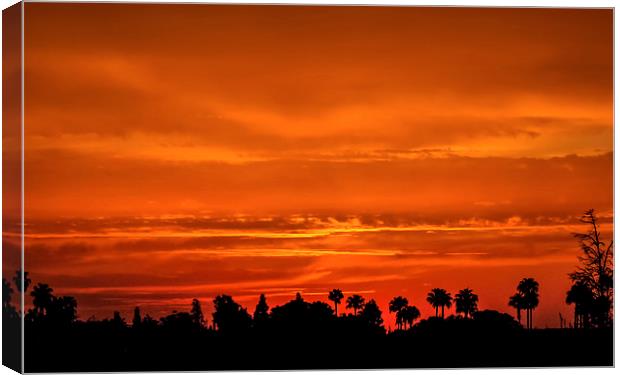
x: 179, y: 151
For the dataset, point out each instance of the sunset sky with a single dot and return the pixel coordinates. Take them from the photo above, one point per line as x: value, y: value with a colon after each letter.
x: 181, y: 151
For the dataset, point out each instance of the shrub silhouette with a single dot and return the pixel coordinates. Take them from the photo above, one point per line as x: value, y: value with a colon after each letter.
x: 196, y: 313
x: 229, y: 316
x: 371, y: 314
x: 261, y: 312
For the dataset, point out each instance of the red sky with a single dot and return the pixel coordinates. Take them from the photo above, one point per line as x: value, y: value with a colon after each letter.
x: 180, y: 151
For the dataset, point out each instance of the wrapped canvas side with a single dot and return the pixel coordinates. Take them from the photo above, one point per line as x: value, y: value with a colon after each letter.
x: 12, y: 183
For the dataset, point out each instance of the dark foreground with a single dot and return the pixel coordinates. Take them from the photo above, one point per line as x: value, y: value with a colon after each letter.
x: 432, y: 343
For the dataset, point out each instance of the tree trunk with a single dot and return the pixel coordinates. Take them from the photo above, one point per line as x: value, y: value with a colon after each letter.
x: 442, y: 316
x: 576, y: 318
x: 527, y: 314
x: 527, y: 320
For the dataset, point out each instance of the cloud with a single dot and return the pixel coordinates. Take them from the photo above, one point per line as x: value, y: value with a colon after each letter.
x: 72, y: 186
x: 193, y: 150
x: 404, y: 83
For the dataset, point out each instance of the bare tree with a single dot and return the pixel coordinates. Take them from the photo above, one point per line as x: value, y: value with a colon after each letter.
x: 596, y: 268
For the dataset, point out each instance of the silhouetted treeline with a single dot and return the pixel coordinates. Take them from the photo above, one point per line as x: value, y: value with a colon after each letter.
x: 304, y: 334
x: 298, y: 335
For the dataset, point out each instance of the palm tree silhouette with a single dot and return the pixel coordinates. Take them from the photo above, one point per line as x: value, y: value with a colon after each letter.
x: 396, y: 305
x: 438, y: 297
x: 336, y: 296
x: 408, y: 315
x: 582, y: 297
x: 18, y: 281
x: 516, y: 301
x: 466, y: 302
x: 355, y: 302
x: 42, y: 298
x: 528, y: 288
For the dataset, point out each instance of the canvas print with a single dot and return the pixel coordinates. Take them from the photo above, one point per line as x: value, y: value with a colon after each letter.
x: 250, y: 187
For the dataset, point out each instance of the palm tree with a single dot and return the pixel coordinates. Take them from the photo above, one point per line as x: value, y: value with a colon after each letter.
x: 528, y: 288
x: 18, y: 281
x: 355, y: 302
x: 583, y: 298
x: 433, y: 299
x: 408, y: 315
x: 42, y: 298
x: 438, y: 297
x: 336, y: 296
x: 466, y: 302
x: 396, y: 305
x: 516, y: 301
